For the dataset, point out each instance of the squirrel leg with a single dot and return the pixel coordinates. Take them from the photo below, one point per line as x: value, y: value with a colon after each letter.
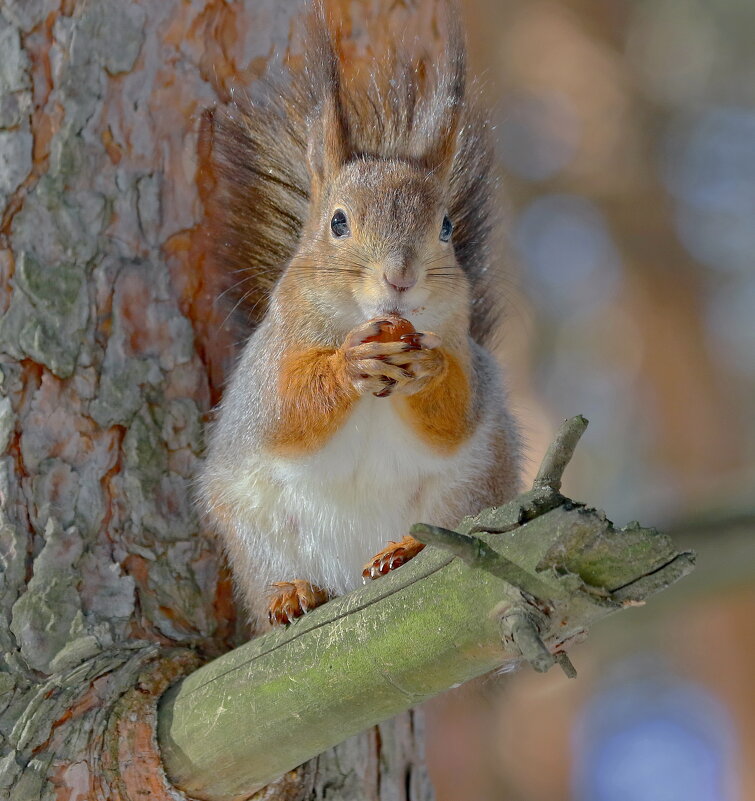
x: 291, y: 599
x: 392, y: 556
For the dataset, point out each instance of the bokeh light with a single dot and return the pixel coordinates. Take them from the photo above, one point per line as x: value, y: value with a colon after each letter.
x: 538, y: 134
x: 653, y: 739
x: 569, y: 259
x: 709, y: 167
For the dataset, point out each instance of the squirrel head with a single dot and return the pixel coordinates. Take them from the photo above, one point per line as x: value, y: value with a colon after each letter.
x: 379, y: 241
x: 330, y: 197
x: 378, y: 238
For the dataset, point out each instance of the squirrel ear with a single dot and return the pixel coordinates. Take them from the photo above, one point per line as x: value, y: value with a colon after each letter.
x: 439, y: 157
x: 328, y: 147
x: 448, y: 96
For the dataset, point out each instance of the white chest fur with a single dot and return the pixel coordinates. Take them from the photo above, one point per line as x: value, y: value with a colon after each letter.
x: 330, y: 511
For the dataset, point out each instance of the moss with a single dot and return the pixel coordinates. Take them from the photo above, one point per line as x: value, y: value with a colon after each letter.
x: 606, y: 557
x: 53, y: 289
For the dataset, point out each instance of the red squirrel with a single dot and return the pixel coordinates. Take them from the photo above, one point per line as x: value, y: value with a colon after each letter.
x: 359, y: 219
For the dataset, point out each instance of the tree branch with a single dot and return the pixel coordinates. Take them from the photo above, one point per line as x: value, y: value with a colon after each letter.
x: 559, y: 453
x: 520, y: 581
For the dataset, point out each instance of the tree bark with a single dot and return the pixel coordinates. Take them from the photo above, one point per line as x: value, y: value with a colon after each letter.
x: 112, y: 352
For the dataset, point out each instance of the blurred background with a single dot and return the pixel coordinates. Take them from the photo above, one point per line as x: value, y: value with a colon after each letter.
x: 626, y: 137
x: 625, y: 132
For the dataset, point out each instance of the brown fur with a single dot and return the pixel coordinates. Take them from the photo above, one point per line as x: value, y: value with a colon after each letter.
x: 316, y: 393
x: 315, y: 396
x: 440, y: 413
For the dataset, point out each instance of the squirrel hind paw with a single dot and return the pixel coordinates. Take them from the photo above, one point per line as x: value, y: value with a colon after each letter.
x: 392, y: 556
x: 288, y: 600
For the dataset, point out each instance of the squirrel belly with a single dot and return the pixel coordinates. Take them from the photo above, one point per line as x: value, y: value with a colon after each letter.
x: 365, y: 486
x: 317, y: 515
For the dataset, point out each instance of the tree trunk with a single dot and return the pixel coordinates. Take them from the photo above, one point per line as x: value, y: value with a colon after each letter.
x: 112, y: 353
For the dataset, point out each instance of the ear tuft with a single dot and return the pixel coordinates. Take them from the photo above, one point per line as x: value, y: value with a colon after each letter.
x: 328, y: 146
x: 449, y: 92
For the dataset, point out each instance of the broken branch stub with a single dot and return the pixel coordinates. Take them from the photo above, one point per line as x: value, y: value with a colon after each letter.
x: 559, y: 454
x: 520, y: 581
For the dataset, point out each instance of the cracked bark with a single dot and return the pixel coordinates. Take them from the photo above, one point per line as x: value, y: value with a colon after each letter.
x: 112, y: 353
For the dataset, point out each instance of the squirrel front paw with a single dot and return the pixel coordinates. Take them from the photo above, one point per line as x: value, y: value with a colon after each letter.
x: 392, y: 556
x: 399, y: 367
x: 288, y: 600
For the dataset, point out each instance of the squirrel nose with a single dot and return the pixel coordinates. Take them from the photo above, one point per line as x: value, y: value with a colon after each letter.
x: 400, y: 282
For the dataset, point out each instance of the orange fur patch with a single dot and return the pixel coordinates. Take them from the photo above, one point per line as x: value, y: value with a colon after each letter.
x: 315, y: 398
x: 439, y: 414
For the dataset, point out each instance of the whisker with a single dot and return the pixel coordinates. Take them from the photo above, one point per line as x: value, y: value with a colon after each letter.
x: 262, y: 298
x: 232, y: 287
x: 437, y: 258
x: 330, y: 269
x: 235, y: 307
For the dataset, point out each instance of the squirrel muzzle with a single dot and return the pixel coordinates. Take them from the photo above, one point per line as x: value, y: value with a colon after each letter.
x: 400, y: 273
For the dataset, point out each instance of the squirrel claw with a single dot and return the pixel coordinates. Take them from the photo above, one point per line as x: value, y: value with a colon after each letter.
x: 390, y: 383
x: 289, y: 600
x: 391, y: 557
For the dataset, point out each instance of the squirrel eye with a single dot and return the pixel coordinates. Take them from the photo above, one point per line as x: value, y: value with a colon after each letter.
x: 339, y: 225
x: 446, y: 229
